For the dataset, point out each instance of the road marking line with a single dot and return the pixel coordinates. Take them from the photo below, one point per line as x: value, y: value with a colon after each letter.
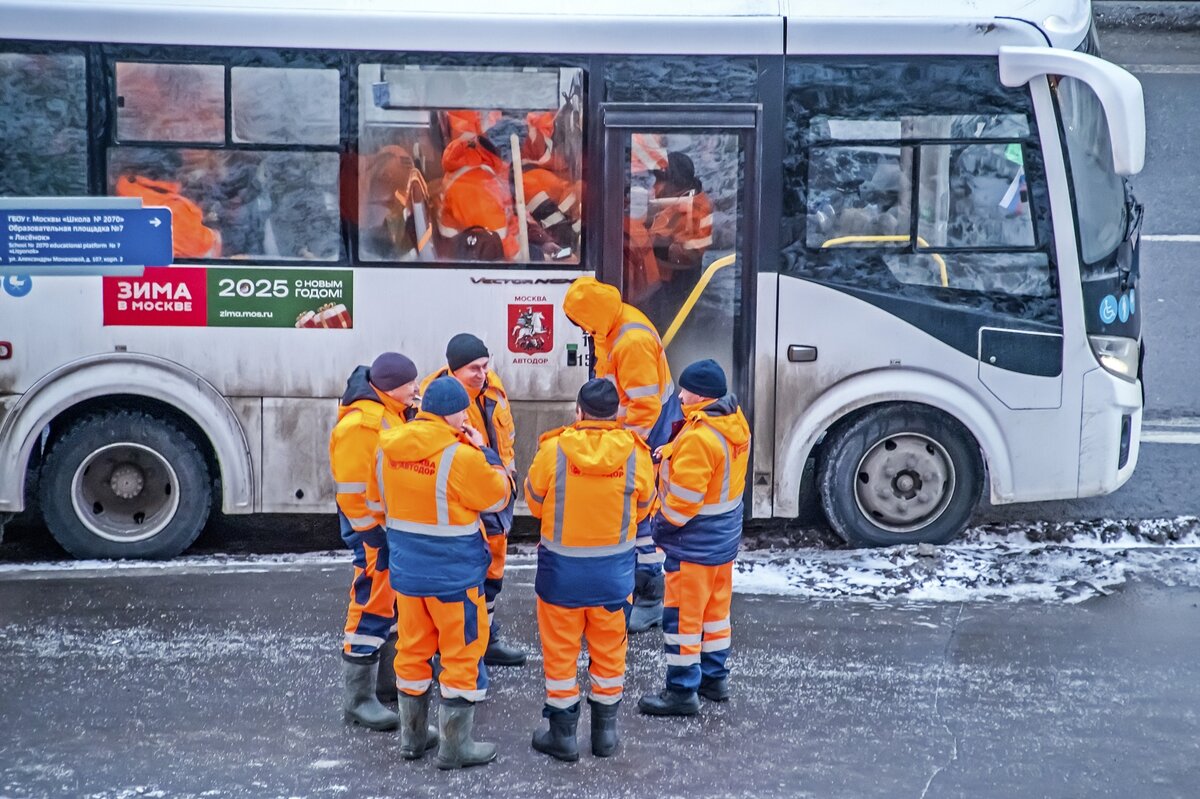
x: 1165, y: 69
x: 1189, y: 238
x: 1154, y: 437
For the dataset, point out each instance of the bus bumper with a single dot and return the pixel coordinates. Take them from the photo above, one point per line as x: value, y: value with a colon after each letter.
x: 1109, y: 434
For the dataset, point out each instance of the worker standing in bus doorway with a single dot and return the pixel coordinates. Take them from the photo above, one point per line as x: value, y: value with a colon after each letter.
x: 434, y: 476
x: 590, y: 484
x: 377, y: 398
x: 629, y: 353
x: 702, y: 477
x: 681, y: 232
x: 467, y: 361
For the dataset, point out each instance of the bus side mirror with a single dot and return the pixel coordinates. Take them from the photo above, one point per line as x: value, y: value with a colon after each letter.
x: 1119, y: 93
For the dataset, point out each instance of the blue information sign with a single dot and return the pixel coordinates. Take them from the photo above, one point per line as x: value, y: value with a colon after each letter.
x: 67, y: 241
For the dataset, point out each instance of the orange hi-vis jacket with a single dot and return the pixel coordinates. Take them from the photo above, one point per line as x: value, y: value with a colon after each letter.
x: 190, y: 238
x: 363, y: 414
x: 628, y: 351
x: 549, y: 200
x: 702, y: 478
x: 490, y: 414
x: 434, y: 484
x: 475, y: 193
x: 590, y: 484
x: 688, y: 223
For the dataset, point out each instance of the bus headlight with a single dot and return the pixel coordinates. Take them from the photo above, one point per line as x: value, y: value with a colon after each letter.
x: 1117, y: 354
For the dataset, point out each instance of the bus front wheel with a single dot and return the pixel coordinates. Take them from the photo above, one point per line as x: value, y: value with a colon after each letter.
x: 900, y: 474
x: 125, y: 484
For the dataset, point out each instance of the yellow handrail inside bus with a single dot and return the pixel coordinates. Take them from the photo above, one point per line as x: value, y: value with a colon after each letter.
x: 697, y: 290
x: 941, y: 262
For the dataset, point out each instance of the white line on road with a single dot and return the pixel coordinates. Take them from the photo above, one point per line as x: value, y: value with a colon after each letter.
x: 1187, y: 238
x: 1164, y: 69
x: 1166, y: 437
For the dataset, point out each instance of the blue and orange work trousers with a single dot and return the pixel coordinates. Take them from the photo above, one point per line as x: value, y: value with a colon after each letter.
x: 371, y: 618
x: 561, y: 630
x: 696, y: 629
x: 454, y: 625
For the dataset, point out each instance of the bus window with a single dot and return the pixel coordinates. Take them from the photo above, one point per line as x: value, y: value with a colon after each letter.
x: 470, y: 164
x: 918, y: 181
x: 683, y: 208
x: 234, y: 202
x: 170, y: 102
x: 859, y: 196
x: 275, y: 105
x: 43, y: 125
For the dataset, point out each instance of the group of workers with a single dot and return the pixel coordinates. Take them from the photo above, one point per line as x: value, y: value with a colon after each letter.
x: 645, y: 481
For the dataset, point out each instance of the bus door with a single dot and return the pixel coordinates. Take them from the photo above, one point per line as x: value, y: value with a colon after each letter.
x: 679, y: 218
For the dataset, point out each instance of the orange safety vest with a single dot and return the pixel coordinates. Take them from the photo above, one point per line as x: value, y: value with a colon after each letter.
x: 590, y: 484
x: 475, y: 193
x: 190, y: 238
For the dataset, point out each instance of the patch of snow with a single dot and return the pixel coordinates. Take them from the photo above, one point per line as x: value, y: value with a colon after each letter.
x: 986, y: 565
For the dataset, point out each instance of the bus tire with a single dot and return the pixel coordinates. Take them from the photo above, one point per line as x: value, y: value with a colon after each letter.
x: 900, y: 474
x: 125, y: 484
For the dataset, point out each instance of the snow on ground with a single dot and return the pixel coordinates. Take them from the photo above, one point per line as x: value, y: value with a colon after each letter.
x: 1040, y: 562
x: 1050, y: 562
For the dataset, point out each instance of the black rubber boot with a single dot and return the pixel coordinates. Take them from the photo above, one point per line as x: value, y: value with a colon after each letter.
x: 647, y: 602
x: 604, y: 728
x: 715, y: 690
x: 359, y: 703
x: 385, y: 678
x: 559, y: 740
x: 499, y: 653
x: 670, y: 703
x: 416, y: 736
x: 456, y: 749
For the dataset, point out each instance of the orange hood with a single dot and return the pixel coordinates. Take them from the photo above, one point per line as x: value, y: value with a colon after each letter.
x: 597, y: 447
x: 593, y: 305
x: 426, y: 435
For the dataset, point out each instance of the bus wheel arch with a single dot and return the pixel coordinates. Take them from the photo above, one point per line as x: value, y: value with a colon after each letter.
x: 899, y: 473
x: 808, y: 432
x: 132, y: 383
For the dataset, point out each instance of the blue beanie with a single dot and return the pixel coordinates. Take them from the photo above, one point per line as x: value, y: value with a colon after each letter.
x: 705, y: 378
x: 444, y: 397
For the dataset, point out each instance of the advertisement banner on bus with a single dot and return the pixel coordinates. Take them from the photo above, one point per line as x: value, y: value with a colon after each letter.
x: 231, y: 297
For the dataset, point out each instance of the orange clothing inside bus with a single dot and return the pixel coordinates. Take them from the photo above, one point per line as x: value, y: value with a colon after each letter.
x: 191, y: 239
x: 475, y: 194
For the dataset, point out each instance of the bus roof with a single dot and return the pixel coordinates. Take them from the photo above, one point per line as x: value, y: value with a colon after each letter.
x: 760, y: 27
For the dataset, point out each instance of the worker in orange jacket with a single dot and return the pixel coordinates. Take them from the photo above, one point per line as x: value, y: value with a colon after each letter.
x: 376, y: 399
x: 190, y: 237
x: 434, y: 476
x: 702, y: 478
x: 590, y: 484
x: 467, y: 361
x: 476, y: 219
x: 681, y: 232
x: 629, y: 353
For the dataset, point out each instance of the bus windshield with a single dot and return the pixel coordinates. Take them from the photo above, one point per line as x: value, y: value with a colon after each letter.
x: 1099, y: 191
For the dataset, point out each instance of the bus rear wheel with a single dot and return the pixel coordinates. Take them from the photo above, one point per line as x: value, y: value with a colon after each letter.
x: 125, y: 484
x: 900, y: 474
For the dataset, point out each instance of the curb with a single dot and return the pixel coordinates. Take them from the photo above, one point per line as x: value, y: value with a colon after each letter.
x: 1148, y: 15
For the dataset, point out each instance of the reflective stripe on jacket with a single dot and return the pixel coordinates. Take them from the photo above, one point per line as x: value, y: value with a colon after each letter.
x: 628, y: 352
x: 489, y: 413
x: 702, y: 478
x: 590, y: 484
x: 363, y: 413
x: 434, y: 484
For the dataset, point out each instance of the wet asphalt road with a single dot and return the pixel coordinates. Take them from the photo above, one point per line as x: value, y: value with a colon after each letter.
x: 180, y: 683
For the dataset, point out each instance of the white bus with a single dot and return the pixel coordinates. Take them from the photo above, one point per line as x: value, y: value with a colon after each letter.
x: 905, y: 231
